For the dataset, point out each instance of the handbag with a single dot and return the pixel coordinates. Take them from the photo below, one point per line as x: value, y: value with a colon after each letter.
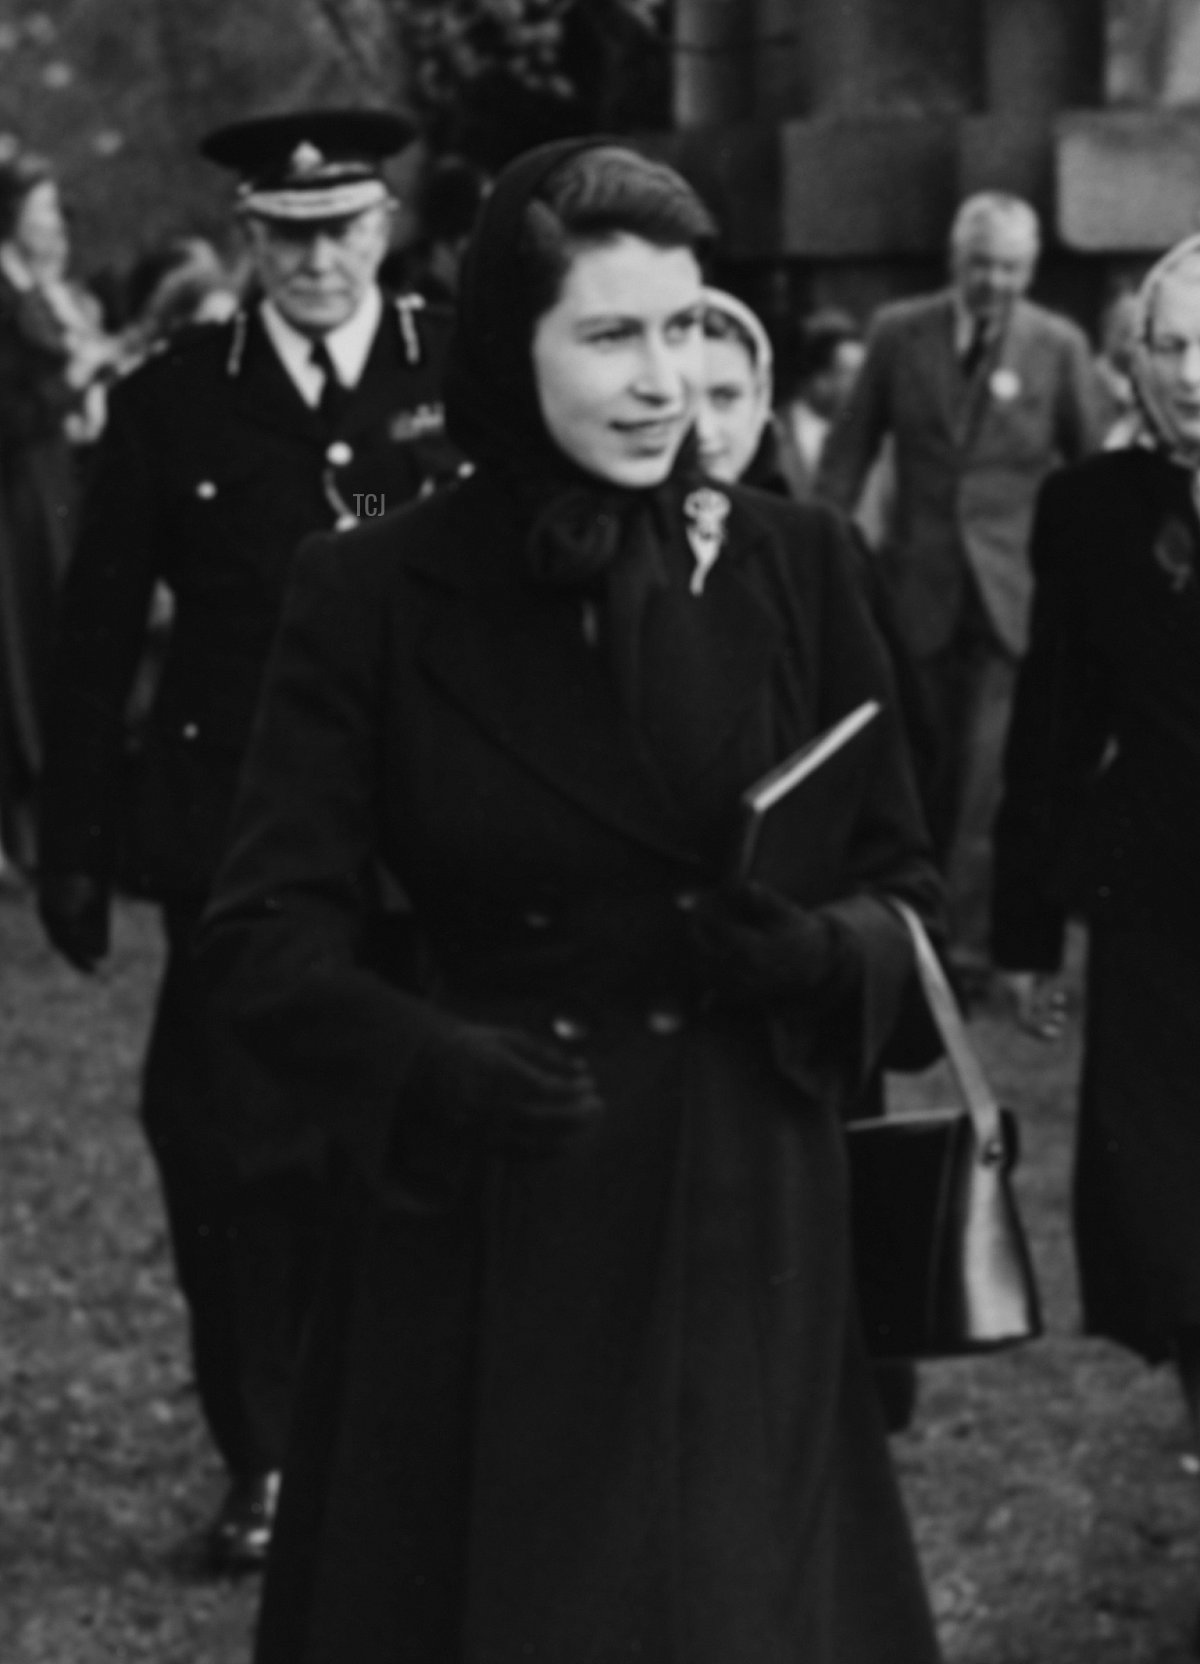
x: 942, y: 1260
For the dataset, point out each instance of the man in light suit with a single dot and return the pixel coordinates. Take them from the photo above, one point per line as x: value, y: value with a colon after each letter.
x: 982, y: 393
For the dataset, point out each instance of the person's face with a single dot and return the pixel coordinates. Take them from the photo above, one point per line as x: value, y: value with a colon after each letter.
x: 40, y: 231
x: 618, y: 359
x: 318, y: 272
x: 828, y: 390
x: 1174, y: 349
x: 730, y: 410
x: 993, y: 266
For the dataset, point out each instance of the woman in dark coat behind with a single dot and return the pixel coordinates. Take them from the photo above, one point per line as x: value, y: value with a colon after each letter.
x: 36, y: 487
x: 585, y: 1383
x: 1102, y: 814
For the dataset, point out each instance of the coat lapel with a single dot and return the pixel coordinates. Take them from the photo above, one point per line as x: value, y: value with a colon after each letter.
x: 514, y: 658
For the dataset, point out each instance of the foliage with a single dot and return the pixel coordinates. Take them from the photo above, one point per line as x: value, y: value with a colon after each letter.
x: 491, y: 75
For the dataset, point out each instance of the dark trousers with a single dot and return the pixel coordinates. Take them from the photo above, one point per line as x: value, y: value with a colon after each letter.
x: 247, y: 1251
x: 968, y: 689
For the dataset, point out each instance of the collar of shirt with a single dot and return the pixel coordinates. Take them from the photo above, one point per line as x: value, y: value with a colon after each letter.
x: 349, y: 346
x: 809, y: 432
x: 15, y: 269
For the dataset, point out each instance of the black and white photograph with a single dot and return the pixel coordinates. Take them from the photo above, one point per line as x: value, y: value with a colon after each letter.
x: 600, y: 832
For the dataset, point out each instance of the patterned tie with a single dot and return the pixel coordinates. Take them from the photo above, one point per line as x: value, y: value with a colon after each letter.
x: 332, y: 402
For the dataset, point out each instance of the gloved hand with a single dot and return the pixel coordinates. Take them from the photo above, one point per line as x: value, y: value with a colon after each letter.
x: 503, y: 1088
x: 74, y: 909
x: 754, y: 947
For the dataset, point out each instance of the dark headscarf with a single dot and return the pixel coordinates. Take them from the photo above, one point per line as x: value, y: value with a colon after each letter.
x: 579, y: 530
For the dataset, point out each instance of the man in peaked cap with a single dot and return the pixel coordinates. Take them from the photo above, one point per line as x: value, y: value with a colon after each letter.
x: 316, y: 405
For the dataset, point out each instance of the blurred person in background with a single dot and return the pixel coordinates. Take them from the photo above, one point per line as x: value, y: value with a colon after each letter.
x: 735, y: 435
x: 818, y: 367
x: 1101, y: 815
x: 312, y: 405
x: 50, y: 358
x: 982, y: 393
x: 1120, y: 411
x: 193, y: 285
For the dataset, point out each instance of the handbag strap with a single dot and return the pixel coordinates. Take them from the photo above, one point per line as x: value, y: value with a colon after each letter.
x: 978, y: 1098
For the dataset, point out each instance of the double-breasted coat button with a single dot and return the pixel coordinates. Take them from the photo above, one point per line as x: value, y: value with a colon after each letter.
x: 537, y: 921
x: 206, y: 490
x: 191, y: 730
x: 568, y: 1029
x: 339, y: 454
x: 664, y: 1020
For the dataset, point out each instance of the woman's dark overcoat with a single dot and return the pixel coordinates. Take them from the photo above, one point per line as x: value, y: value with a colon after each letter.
x: 1102, y: 815
x: 36, y: 506
x: 610, y: 1404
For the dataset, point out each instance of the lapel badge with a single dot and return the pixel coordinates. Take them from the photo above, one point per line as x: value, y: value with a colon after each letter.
x: 1004, y: 384
x: 706, y: 512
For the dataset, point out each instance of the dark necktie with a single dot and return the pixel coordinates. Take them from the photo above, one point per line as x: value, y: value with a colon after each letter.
x: 977, y: 346
x: 332, y: 402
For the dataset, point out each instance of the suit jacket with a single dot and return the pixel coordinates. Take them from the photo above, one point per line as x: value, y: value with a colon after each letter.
x: 495, y: 1380
x: 1102, y: 779
x: 211, y: 471
x: 969, y: 457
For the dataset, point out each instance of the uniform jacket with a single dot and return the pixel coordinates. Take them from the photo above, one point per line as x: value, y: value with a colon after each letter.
x: 969, y: 457
x: 211, y: 471
x: 610, y: 1403
x: 1102, y: 779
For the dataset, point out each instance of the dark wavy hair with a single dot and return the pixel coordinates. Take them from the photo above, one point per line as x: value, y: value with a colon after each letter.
x: 19, y: 175
x: 596, y: 196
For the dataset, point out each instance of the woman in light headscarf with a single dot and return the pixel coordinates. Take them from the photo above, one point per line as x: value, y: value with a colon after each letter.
x: 734, y: 432
x: 1102, y: 815
x: 587, y: 1381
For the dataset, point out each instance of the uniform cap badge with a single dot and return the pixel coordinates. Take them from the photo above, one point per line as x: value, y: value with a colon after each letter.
x: 306, y: 159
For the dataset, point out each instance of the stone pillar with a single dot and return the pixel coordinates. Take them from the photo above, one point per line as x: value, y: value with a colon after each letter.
x: 714, y: 62
x: 858, y: 57
x: 1042, y: 56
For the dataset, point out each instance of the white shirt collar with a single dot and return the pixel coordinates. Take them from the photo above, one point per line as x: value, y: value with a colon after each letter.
x: 809, y: 432
x: 349, y: 345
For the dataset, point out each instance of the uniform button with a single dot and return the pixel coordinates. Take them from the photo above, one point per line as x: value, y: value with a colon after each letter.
x: 537, y: 921
x: 206, y: 490
x: 664, y: 1020
x: 191, y: 730
x: 685, y: 901
x: 568, y: 1029
x: 339, y: 454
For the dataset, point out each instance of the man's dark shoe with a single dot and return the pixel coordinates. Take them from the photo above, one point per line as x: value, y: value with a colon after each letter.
x: 240, y: 1535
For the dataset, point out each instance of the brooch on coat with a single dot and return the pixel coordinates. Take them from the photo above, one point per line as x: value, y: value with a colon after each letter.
x: 706, y: 512
x: 1175, y: 552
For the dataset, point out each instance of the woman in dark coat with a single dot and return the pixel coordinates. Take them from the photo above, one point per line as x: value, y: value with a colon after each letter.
x: 36, y: 487
x: 1102, y: 814
x: 585, y: 1382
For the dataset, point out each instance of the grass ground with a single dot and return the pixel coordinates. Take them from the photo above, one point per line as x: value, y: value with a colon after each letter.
x: 1048, y: 1487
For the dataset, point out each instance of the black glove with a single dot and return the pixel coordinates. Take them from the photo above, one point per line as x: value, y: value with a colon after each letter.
x: 754, y: 947
x: 74, y: 910
x: 501, y: 1088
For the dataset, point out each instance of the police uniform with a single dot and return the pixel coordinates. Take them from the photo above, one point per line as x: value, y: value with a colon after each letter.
x: 214, y: 466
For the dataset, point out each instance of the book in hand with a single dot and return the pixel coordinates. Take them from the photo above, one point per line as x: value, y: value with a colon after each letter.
x: 795, y: 819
